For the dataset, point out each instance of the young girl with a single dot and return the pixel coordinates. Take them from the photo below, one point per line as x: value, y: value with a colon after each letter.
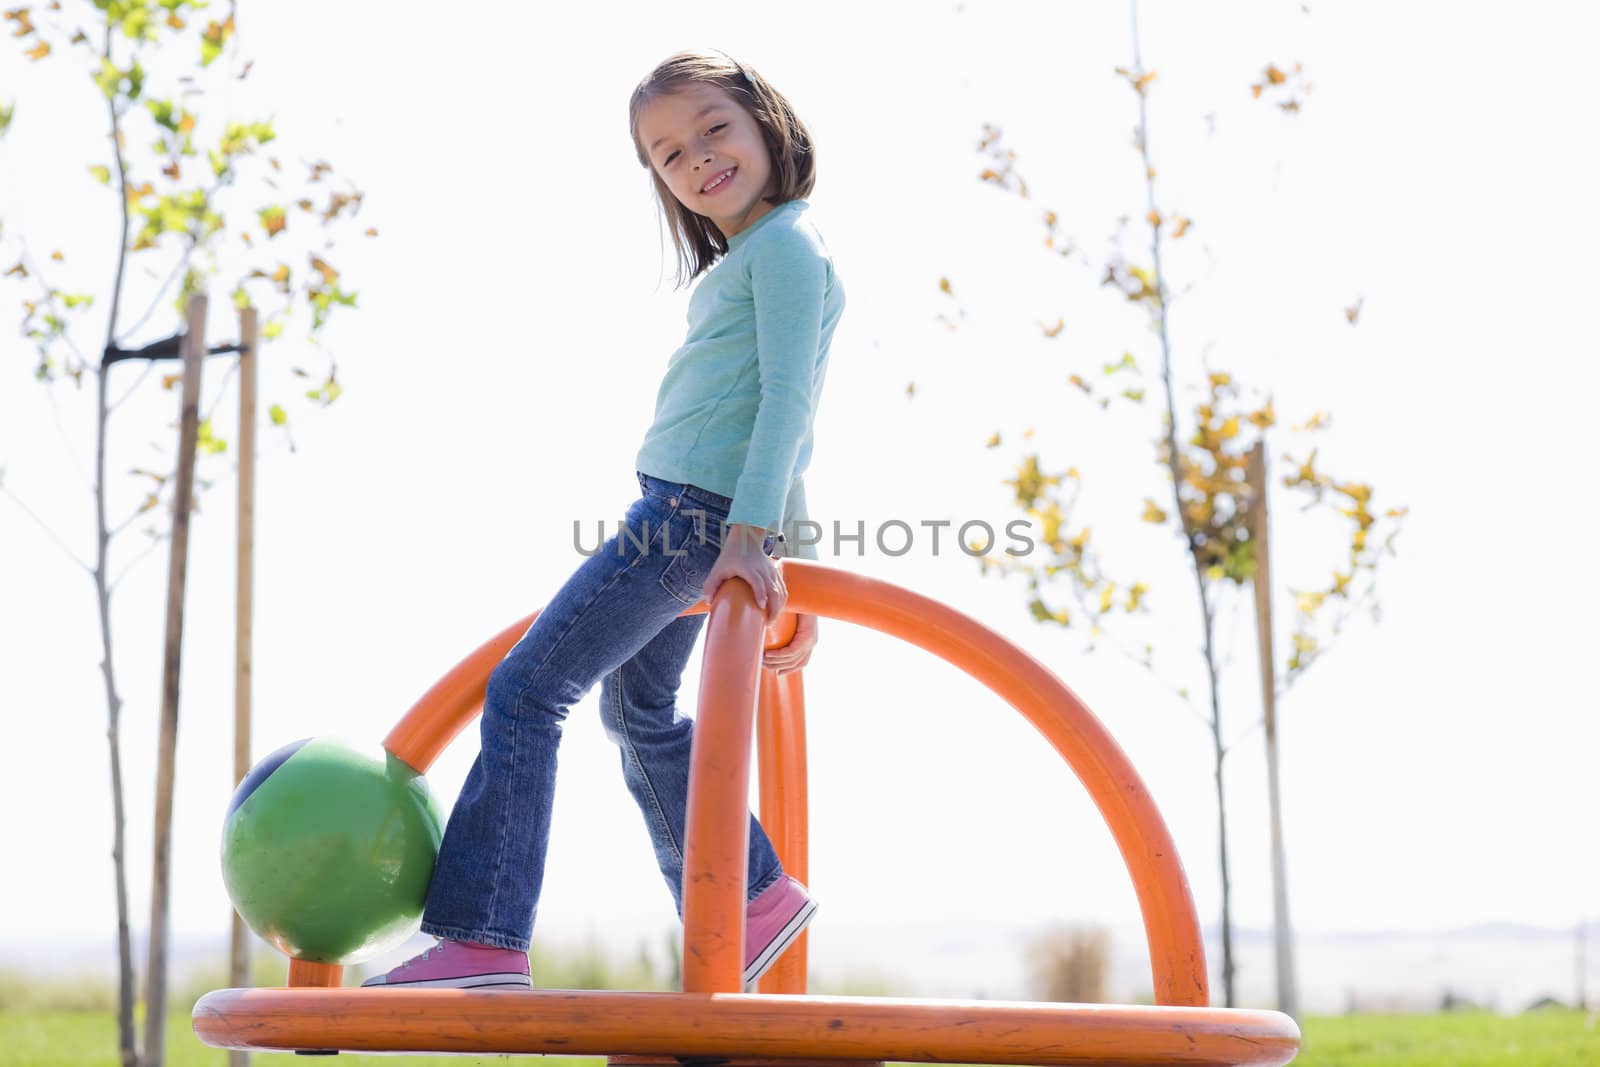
x: 720, y: 474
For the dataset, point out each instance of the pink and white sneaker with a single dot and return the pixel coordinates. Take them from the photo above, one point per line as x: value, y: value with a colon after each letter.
x: 460, y: 965
x: 773, y: 921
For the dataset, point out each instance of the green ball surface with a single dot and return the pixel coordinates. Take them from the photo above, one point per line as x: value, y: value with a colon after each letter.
x: 328, y: 848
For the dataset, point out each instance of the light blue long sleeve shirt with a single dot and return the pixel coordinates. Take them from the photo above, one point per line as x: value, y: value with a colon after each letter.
x: 735, y: 408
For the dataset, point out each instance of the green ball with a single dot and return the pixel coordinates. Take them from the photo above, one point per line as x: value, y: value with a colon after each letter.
x: 327, y: 850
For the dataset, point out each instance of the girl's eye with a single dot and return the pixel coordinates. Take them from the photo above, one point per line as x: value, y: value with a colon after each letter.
x: 674, y: 155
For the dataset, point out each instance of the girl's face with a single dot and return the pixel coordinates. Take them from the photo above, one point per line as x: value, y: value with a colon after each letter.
x: 698, y: 134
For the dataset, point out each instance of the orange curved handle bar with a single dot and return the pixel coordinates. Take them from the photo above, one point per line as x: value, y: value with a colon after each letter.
x: 719, y: 774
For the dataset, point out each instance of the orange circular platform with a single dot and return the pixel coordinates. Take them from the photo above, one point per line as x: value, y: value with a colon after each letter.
x: 716, y: 1025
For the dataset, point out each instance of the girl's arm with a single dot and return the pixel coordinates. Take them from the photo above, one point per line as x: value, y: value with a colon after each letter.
x: 788, y: 281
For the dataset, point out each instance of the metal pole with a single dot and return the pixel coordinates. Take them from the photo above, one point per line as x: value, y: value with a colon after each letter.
x: 1282, y: 933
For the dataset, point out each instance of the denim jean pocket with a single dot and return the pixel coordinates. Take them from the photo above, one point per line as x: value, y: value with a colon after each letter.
x: 692, y: 557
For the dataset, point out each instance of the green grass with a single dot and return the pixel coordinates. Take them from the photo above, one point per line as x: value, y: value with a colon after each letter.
x: 51, y: 1038
x: 1466, y: 1039
x: 89, y: 1039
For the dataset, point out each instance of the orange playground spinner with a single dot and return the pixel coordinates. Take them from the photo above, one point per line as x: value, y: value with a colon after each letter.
x: 781, y: 1024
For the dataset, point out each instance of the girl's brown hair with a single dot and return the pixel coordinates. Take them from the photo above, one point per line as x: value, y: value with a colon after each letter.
x: 794, y: 160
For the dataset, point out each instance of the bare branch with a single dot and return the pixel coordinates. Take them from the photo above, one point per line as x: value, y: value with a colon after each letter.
x: 155, y: 543
x: 66, y: 440
x: 54, y: 537
x: 1245, y: 734
x: 155, y: 303
x: 148, y: 368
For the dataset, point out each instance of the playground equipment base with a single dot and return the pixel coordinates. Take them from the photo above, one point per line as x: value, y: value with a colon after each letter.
x: 725, y: 1027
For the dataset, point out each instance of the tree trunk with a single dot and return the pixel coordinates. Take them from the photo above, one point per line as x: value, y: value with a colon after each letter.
x: 1175, y: 468
x: 1222, y: 817
x: 127, y: 1049
x: 155, y: 1019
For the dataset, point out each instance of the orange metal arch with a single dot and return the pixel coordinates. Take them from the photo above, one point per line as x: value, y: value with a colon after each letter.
x: 710, y: 1019
x: 715, y: 860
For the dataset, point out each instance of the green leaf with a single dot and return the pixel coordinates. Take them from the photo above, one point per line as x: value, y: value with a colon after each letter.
x: 277, y: 415
x: 5, y: 118
x: 208, y: 442
x: 1125, y: 363
x: 101, y: 174
x: 135, y: 22
x: 161, y: 111
x: 109, y: 77
x: 73, y: 300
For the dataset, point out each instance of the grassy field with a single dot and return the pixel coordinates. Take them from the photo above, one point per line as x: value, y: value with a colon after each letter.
x: 1543, y: 1039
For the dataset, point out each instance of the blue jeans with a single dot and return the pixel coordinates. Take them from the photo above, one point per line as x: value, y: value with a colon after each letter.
x: 616, y: 621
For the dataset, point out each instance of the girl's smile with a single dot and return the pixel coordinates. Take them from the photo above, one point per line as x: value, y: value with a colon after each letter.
x: 719, y: 182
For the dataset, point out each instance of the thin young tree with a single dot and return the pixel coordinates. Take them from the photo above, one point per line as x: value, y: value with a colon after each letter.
x: 1205, y: 457
x: 177, y: 165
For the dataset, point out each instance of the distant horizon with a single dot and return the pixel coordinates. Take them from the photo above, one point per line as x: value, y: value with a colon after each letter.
x: 1504, y: 966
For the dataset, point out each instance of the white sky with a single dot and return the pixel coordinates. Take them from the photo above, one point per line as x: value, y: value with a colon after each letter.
x: 502, y: 366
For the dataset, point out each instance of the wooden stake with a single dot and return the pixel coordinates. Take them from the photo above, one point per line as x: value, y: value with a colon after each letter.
x: 1283, y: 935
x: 194, y: 353
x: 244, y: 608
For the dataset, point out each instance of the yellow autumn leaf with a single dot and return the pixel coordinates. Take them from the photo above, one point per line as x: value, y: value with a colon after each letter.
x: 993, y: 441
x: 273, y: 220
x: 1136, y: 594
x: 1152, y: 513
x: 329, y: 275
x: 1219, y: 379
x: 1356, y: 491
x: 38, y: 51
x: 944, y: 285
x: 1308, y: 602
